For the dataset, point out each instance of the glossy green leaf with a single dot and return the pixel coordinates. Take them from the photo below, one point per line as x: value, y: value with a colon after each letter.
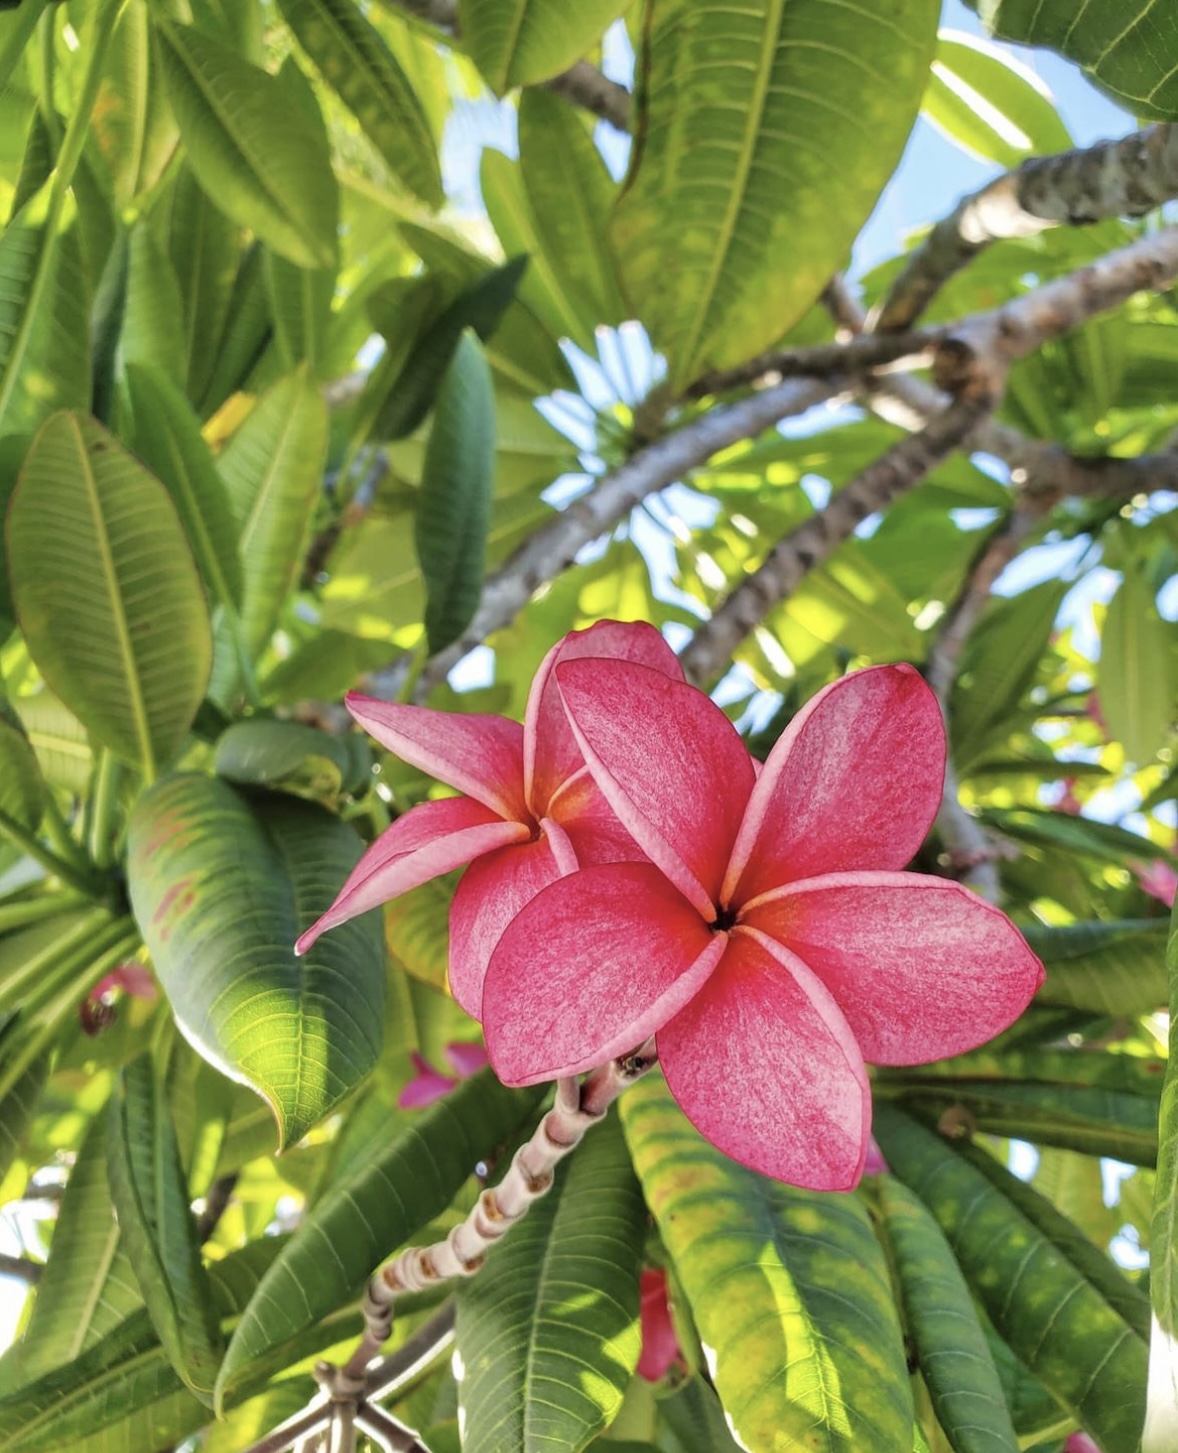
x: 44, y: 312
x: 1138, y: 676
x: 383, y: 1199
x: 991, y: 104
x: 1161, y: 1412
x: 1112, y: 967
x: 16, y: 1115
x: 132, y: 124
x: 265, y: 165
x: 355, y: 61
x: 290, y: 757
x: 272, y: 468
x: 166, y: 435
x: 763, y: 132
x: 548, y: 1331
x: 954, y: 1357
x: 157, y: 1227
x: 1052, y: 1315
x: 89, y: 1285
x: 454, y: 505
x: 59, y: 739
x: 247, y: 332
x: 106, y: 590
x: 1127, y: 49
x: 520, y: 42
x: 788, y: 1288
x: 221, y: 888
x: 22, y: 789
x: 570, y: 194
x: 417, y: 927
x: 300, y: 303
x: 479, y: 307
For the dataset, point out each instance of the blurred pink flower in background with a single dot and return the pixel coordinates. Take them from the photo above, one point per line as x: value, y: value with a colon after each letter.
x: 660, y: 1345
x: 1157, y: 879
x: 1080, y: 1443
x: 430, y: 1084
x: 1068, y: 801
x: 98, y: 1008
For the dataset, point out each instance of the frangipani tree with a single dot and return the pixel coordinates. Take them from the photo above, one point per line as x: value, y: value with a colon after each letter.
x: 823, y: 696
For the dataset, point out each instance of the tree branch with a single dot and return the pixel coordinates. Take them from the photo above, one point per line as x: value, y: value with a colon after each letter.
x: 20, y: 1268
x: 554, y: 547
x: 582, y: 84
x: 907, y: 462
x: 867, y: 351
x: 1123, y: 178
x: 972, y: 852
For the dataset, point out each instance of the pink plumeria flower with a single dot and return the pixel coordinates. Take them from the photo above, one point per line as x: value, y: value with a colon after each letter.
x: 875, y: 1164
x: 1159, y: 880
x: 1081, y: 1443
x: 660, y: 1344
x: 429, y: 1084
x: 771, y: 941
x: 1068, y: 801
x: 531, y: 812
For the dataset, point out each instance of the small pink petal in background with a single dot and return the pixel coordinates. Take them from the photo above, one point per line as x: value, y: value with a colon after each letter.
x: 660, y: 1345
x: 1081, y: 1443
x: 1159, y: 880
x: 467, y: 1057
x: 874, y: 1165
x: 425, y: 1087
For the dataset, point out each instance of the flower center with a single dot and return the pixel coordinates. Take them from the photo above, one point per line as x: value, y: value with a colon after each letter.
x: 724, y: 920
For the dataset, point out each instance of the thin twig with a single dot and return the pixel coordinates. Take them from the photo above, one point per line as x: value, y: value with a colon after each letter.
x: 216, y: 1203
x: 20, y: 1268
x: 907, y: 462
x: 582, y: 83
x: 554, y: 547
x: 822, y: 360
x: 1124, y: 178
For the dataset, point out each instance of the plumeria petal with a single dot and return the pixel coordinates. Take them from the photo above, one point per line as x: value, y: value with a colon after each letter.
x: 430, y: 839
x: 854, y: 782
x: 670, y: 763
x: 592, y: 967
x: 660, y: 1343
x: 479, y: 755
x: 765, y: 1066
x: 920, y: 967
x: 490, y: 894
x: 426, y: 1086
x: 551, y: 753
x: 467, y: 1057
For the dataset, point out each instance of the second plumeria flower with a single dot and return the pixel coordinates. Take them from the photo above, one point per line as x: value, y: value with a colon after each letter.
x: 529, y: 814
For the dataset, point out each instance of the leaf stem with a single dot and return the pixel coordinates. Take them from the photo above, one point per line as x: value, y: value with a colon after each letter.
x: 108, y: 779
x: 57, y: 867
x: 35, y: 910
x: 61, y: 840
x: 45, y: 43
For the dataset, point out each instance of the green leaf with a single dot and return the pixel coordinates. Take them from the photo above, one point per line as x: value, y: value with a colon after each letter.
x: 22, y: 790
x: 520, y: 42
x: 300, y: 302
x: 998, y: 667
x: 59, y: 740
x: 454, y: 507
x: 951, y: 1346
x: 248, y: 329
x: 88, y: 1286
x: 788, y: 1288
x: 165, y: 433
x: 290, y: 757
x: 132, y: 123
x: 1127, y: 50
x: 1051, y: 1314
x: 16, y: 1114
x: 479, y: 307
x: 153, y: 316
x: 203, y: 246
x: 990, y: 104
x: 1112, y: 967
x: 44, y: 311
x: 417, y: 928
x: 355, y: 61
x: 548, y: 1331
x: 1138, y: 676
x: 763, y: 132
x: 106, y: 591
x: 272, y: 470
x: 1161, y: 1409
x: 266, y: 165
x: 570, y: 193
x: 382, y: 1201
x: 151, y: 1198
x: 221, y: 888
